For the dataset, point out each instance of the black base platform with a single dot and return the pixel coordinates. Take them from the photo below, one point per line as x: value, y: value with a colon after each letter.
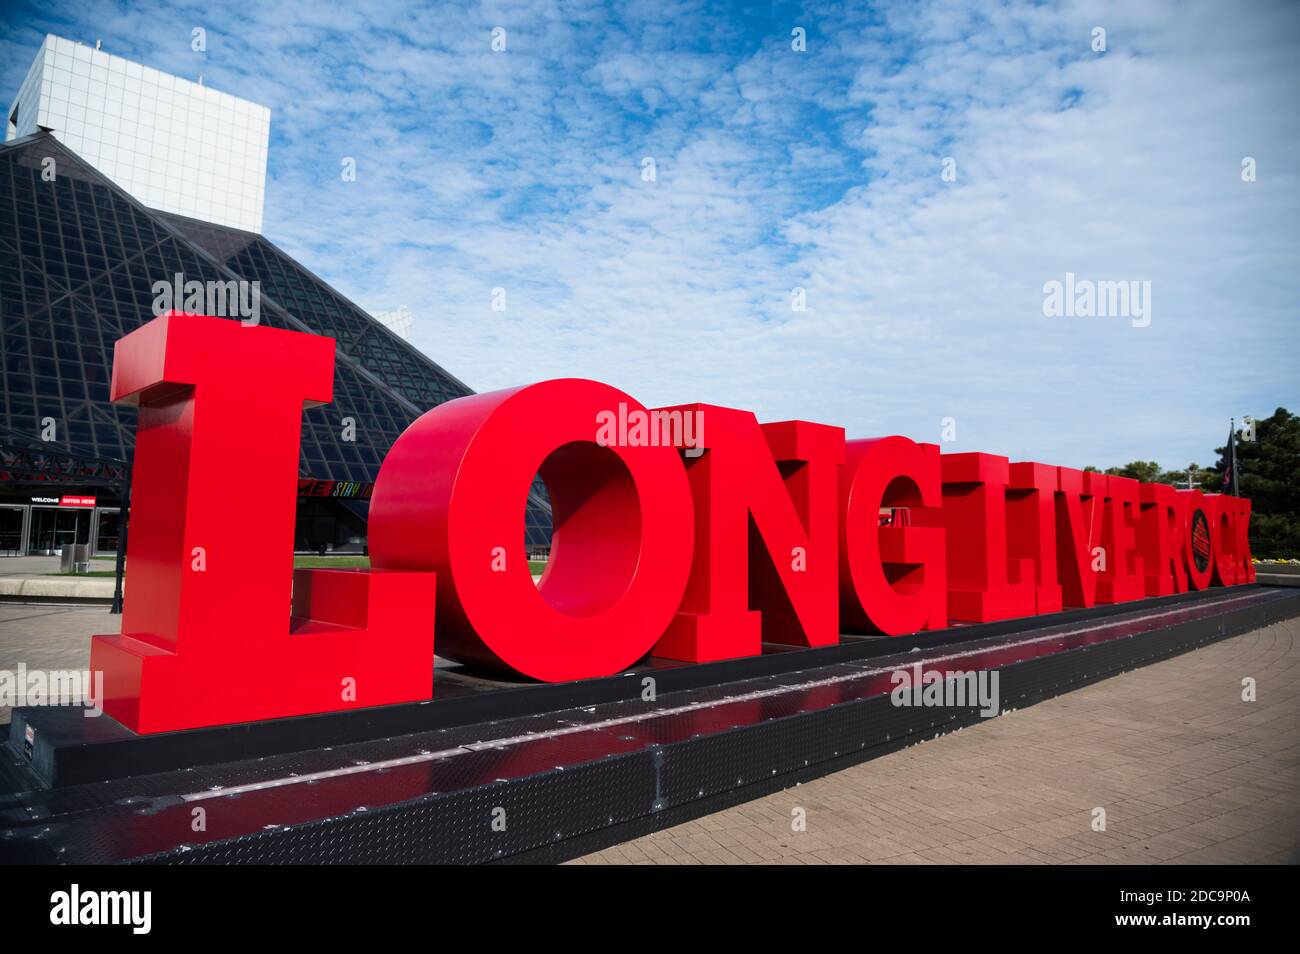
x: 492, y: 771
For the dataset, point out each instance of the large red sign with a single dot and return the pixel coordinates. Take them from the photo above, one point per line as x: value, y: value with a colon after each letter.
x: 692, y: 533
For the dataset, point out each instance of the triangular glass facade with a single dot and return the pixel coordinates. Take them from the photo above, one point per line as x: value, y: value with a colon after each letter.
x: 78, y: 259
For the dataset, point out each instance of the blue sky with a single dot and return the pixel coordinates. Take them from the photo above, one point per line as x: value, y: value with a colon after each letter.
x: 778, y: 169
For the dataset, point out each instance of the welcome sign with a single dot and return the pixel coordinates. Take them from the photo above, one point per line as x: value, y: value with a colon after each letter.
x: 691, y: 533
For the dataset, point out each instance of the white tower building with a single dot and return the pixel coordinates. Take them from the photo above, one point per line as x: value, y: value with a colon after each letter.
x: 175, y: 145
x: 399, y: 320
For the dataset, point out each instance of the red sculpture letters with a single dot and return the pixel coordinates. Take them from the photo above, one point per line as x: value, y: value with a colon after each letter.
x: 451, y: 496
x: 780, y: 477
x: 892, y: 579
x: 205, y: 638
x: 751, y: 534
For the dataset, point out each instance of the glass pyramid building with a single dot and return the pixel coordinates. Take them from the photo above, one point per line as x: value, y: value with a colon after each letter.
x: 78, y: 259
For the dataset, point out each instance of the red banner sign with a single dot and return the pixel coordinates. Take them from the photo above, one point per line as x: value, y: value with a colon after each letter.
x: 344, y: 489
x: 691, y: 532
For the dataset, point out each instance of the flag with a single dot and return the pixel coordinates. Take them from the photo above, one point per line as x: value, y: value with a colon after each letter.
x: 1230, y: 461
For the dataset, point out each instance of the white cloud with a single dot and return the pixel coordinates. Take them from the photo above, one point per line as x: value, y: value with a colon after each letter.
x: 776, y: 169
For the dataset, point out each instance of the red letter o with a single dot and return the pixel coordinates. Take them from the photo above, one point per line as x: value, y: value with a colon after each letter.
x: 452, y: 494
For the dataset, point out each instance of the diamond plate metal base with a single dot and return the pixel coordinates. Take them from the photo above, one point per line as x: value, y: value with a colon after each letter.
x: 549, y: 785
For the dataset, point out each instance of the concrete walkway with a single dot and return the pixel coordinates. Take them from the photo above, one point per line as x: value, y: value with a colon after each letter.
x: 27, y: 579
x: 1184, y: 770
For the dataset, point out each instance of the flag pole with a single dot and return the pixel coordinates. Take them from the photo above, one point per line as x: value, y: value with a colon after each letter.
x: 1232, y: 432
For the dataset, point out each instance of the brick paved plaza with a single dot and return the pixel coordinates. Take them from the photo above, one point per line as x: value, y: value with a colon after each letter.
x: 49, y: 636
x: 1185, y: 770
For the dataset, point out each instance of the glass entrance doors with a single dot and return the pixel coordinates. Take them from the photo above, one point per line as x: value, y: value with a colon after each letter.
x: 13, y: 521
x: 108, y: 526
x: 53, y: 527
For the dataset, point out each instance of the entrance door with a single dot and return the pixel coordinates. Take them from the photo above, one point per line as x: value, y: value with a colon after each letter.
x: 108, y: 527
x: 13, y: 521
x: 55, y: 527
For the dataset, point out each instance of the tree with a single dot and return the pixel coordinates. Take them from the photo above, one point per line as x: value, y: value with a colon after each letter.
x: 1200, y: 477
x: 1147, y: 471
x: 1269, y: 474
